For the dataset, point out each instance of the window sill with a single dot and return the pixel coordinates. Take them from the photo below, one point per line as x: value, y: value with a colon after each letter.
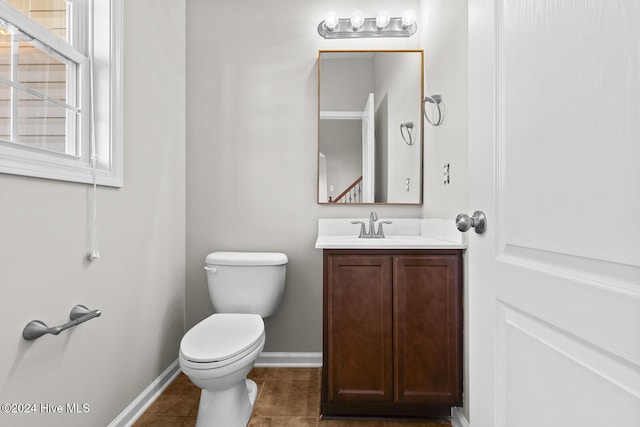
x: 16, y: 161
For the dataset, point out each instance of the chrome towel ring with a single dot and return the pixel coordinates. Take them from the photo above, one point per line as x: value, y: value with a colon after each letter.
x: 408, y: 135
x: 436, y: 100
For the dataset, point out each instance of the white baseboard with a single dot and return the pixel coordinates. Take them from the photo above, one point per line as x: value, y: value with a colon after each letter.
x: 140, y: 404
x: 289, y: 360
x: 458, y: 419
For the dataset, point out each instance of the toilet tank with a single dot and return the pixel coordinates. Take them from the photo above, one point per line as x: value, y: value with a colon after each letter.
x: 246, y: 282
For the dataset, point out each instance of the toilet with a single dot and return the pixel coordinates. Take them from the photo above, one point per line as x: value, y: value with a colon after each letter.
x: 219, y: 352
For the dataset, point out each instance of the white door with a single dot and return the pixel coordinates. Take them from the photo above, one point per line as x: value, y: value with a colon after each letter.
x: 323, y: 187
x: 554, y: 140
x: 368, y: 151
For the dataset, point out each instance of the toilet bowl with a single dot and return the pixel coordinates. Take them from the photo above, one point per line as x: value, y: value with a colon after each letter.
x: 216, y: 355
x: 219, y: 352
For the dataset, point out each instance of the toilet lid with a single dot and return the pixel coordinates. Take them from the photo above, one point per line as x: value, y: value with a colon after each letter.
x: 221, y: 336
x: 246, y: 258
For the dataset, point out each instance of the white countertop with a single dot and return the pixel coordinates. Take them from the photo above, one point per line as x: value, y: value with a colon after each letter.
x: 403, y: 233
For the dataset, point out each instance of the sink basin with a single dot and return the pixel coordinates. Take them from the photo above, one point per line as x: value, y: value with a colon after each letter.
x: 403, y: 233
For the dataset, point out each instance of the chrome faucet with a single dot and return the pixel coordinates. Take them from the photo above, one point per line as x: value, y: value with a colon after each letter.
x: 373, y: 217
x: 371, y: 233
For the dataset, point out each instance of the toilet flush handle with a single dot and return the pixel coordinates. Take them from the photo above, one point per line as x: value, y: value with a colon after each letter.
x: 211, y: 269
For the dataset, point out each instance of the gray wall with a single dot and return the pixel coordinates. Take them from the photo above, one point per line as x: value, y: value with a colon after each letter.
x: 138, y: 282
x: 252, y: 147
x: 445, y: 44
x: 444, y: 41
x: 397, y: 82
x: 345, y: 83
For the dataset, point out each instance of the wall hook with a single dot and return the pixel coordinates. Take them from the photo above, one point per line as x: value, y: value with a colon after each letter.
x: 436, y: 100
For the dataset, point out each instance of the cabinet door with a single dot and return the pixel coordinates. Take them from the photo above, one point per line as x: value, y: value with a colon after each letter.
x: 427, y: 335
x: 358, y: 328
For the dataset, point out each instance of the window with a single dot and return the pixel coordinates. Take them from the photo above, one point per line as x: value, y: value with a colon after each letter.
x: 59, y: 60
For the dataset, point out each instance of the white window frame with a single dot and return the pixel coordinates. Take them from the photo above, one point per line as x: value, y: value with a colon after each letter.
x: 107, y: 48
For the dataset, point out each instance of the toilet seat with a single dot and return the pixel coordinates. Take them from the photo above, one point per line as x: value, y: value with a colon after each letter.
x: 221, y: 339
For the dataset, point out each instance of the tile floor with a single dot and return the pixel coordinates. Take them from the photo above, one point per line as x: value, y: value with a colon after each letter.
x: 287, y: 397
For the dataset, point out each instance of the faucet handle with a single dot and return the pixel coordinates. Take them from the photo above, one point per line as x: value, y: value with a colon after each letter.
x: 380, y: 232
x: 363, y: 231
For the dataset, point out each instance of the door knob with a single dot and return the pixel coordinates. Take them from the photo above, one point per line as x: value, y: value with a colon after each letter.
x: 477, y: 221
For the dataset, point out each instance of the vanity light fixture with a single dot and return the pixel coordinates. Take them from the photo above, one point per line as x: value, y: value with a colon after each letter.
x: 358, y: 26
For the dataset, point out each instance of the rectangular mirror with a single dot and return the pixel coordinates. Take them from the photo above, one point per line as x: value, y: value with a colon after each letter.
x: 370, y: 127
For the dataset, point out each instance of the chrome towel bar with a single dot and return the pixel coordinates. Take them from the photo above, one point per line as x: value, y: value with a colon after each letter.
x: 37, y: 328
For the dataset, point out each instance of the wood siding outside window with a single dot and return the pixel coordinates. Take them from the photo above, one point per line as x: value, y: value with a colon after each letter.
x: 36, y: 122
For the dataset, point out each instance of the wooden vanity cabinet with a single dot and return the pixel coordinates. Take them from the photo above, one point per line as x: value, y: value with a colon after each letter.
x: 392, y: 332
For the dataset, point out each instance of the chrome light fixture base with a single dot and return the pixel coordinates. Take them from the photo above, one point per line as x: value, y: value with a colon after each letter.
x: 345, y: 30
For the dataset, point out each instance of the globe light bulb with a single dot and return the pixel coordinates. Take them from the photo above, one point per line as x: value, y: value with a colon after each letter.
x: 357, y: 20
x: 408, y: 18
x: 382, y: 20
x: 331, y: 21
